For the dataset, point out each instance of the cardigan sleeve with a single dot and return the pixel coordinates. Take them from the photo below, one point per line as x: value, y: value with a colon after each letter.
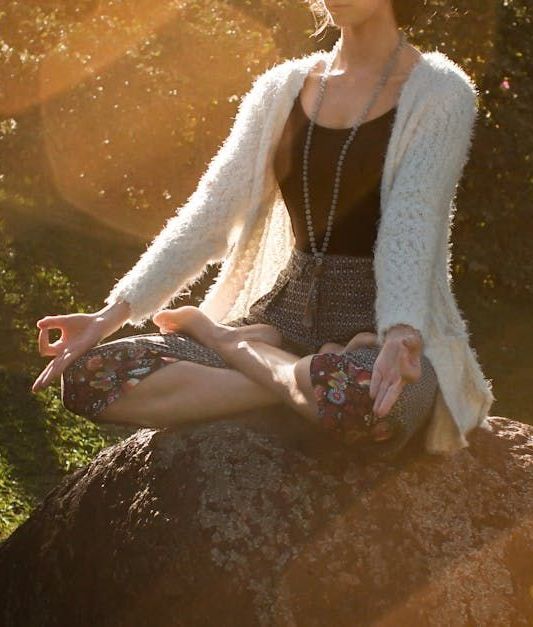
x: 205, y: 227
x: 420, y: 208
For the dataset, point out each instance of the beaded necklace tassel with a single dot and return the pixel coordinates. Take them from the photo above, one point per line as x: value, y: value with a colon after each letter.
x: 311, y: 306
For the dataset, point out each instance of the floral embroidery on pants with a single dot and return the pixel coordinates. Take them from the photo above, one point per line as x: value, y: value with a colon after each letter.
x: 341, y: 389
x: 107, y: 372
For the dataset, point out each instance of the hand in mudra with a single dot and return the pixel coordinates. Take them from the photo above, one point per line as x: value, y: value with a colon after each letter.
x: 398, y: 363
x: 79, y: 333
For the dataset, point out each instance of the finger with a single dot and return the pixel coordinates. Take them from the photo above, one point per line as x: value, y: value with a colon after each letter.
x: 410, y: 341
x: 380, y: 394
x: 57, y: 366
x: 412, y: 351
x: 38, y: 383
x: 45, y: 348
x: 43, y: 342
x: 411, y: 367
x: 51, y: 322
x: 375, y: 382
x: 389, y: 398
x: 53, y: 369
x: 413, y: 347
x: 47, y: 376
x: 413, y: 373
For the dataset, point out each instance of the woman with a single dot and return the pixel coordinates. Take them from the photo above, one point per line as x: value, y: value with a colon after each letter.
x: 330, y: 204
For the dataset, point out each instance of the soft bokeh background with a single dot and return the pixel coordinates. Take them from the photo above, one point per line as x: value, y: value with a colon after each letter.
x: 110, y: 111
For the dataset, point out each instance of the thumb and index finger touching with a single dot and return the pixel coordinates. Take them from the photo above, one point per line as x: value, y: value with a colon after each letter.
x: 47, y: 349
x: 57, y: 350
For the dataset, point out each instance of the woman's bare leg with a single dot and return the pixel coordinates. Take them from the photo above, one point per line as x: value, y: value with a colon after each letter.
x: 191, y: 320
x: 286, y: 375
x: 184, y: 391
x: 364, y: 338
x: 279, y: 371
x: 188, y: 391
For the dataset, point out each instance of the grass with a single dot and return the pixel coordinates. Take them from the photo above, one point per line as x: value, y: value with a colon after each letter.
x: 40, y: 442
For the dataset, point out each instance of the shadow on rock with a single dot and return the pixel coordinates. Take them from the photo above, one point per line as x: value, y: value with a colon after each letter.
x: 260, y: 520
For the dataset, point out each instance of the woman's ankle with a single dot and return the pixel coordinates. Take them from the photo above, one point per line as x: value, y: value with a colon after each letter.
x: 221, y: 336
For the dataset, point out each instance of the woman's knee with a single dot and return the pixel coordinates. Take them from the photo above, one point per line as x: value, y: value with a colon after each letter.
x: 302, y: 377
x: 343, y: 391
x: 412, y: 409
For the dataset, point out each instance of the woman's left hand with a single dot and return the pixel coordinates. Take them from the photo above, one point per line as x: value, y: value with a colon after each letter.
x: 398, y: 363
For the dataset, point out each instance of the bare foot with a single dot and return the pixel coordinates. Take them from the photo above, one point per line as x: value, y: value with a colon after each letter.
x: 198, y: 325
x: 361, y: 339
x: 364, y: 338
x: 331, y: 347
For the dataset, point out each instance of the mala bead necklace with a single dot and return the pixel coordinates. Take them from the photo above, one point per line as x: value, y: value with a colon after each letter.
x: 311, y: 306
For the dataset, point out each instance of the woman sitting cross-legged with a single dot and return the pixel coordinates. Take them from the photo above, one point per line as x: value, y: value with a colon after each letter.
x: 331, y: 388
x: 329, y: 205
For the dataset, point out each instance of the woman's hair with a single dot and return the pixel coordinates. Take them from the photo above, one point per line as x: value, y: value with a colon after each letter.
x: 408, y: 13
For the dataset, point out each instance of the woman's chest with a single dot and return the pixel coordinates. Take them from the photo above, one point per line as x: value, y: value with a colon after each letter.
x: 357, y: 199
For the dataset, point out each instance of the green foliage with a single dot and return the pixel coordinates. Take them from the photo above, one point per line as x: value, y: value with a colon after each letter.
x: 39, y: 443
x: 40, y: 440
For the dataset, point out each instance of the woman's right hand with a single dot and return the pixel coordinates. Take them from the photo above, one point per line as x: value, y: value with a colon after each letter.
x: 79, y: 333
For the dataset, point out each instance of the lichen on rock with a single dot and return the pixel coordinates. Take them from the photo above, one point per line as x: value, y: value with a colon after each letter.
x: 259, y: 520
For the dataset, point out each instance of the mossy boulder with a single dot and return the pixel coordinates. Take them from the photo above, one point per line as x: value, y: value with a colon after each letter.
x: 259, y: 520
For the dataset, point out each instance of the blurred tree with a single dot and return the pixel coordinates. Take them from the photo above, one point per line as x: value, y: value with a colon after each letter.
x: 114, y: 108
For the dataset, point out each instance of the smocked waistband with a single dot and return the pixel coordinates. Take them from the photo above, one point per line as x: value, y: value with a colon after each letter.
x: 300, y: 261
x: 331, y: 259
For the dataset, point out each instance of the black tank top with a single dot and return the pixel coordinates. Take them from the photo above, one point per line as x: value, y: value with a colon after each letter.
x: 356, y: 219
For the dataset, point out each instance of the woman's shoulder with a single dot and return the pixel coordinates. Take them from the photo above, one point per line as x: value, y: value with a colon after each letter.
x: 435, y: 76
x: 273, y: 80
x: 446, y: 77
x: 437, y: 72
x: 281, y: 71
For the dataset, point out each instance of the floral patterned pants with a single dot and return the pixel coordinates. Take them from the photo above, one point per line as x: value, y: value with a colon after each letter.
x: 340, y: 382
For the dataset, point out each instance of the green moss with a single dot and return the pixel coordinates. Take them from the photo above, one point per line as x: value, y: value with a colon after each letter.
x: 40, y: 441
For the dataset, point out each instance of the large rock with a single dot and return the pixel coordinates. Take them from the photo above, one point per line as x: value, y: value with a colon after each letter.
x: 259, y: 520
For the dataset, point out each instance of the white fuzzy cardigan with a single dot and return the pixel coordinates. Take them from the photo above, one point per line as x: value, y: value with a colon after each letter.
x: 237, y: 215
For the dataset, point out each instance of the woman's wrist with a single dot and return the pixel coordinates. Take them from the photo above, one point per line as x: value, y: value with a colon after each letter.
x: 113, y: 316
x: 400, y: 331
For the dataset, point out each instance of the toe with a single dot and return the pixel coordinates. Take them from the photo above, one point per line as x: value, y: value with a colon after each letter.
x: 330, y: 347
x: 162, y: 315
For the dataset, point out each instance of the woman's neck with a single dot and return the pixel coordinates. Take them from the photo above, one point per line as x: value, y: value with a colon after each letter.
x: 365, y: 48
